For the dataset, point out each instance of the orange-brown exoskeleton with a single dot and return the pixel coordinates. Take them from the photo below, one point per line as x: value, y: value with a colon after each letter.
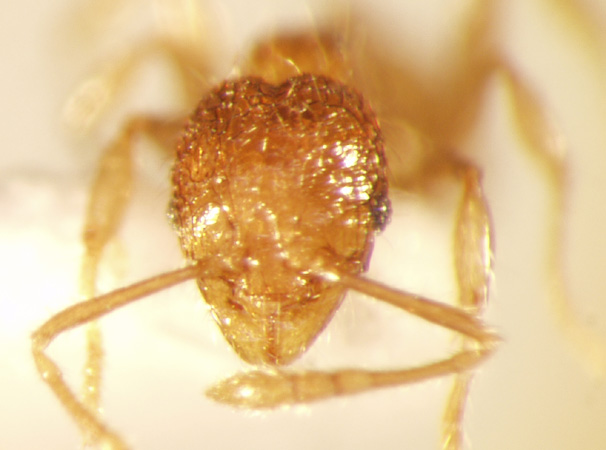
x: 280, y: 185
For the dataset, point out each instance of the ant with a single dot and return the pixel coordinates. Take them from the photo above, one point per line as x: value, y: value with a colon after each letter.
x: 250, y: 262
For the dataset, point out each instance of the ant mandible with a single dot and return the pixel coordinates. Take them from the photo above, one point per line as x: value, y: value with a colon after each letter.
x: 280, y: 185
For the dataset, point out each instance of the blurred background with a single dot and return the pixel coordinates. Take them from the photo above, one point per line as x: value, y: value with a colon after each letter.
x: 162, y: 353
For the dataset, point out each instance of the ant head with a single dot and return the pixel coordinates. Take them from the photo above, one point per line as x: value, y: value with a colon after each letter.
x: 269, y: 179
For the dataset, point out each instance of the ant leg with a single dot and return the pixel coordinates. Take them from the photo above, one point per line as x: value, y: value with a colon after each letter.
x: 473, y: 244
x: 83, y: 313
x: 108, y: 198
x: 184, y: 47
x: 544, y: 143
x: 588, y: 25
x: 109, y: 195
x: 473, y: 252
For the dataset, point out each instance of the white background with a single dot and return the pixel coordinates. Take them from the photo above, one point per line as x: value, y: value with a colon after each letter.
x: 163, y: 352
